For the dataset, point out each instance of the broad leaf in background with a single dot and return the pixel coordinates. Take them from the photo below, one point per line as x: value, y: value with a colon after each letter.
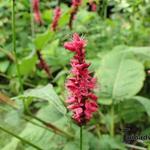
x: 130, y: 111
x: 47, y: 93
x: 142, y: 53
x: 145, y: 102
x: 111, y: 143
x: 120, y: 77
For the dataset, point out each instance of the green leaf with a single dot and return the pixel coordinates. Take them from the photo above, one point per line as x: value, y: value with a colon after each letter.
x: 42, y: 39
x: 105, y: 101
x: 47, y: 93
x: 41, y: 136
x: 64, y: 18
x: 141, y: 53
x: 120, y: 77
x: 130, y: 111
x: 4, y: 65
x: 145, y: 102
x: 111, y: 143
x: 27, y: 64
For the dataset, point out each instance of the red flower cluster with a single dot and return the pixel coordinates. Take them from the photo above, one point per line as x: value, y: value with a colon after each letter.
x: 75, y: 6
x: 36, y: 10
x: 82, y: 101
x: 57, y: 14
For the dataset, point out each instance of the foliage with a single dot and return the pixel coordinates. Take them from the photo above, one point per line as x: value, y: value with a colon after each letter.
x: 119, y: 52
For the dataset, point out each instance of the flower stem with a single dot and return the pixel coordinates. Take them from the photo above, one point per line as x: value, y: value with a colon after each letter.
x: 32, y: 20
x: 20, y: 138
x: 81, y: 138
x: 105, y: 9
x: 112, y: 120
x: 14, y: 45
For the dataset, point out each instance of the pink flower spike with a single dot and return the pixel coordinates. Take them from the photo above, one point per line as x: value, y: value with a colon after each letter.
x: 82, y: 101
x: 36, y: 10
x: 57, y: 15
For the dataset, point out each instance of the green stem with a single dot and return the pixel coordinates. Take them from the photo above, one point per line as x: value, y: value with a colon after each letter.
x: 14, y: 45
x: 112, y: 121
x: 81, y: 138
x: 32, y: 20
x: 20, y: 138
x: 105, y: 8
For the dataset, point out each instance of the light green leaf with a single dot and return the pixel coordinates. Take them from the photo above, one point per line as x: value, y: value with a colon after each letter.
x: 64, y: 18
x: 120, y: 77
x: 40, y: 136
x: 142, y: 53
x: 4, y: 65
x: 27, y: 64
x: 130, y: 111
x: 47, y: 93
x: 105, y: 101
x: 42, y: 39
x: 111, y: 143
x: 145, y: 102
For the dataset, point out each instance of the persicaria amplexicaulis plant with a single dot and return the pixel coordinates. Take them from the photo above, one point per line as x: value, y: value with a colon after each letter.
x: 75, y: 5
x: 57, y: 14
x: 36, y: 11
x: 81, y: 101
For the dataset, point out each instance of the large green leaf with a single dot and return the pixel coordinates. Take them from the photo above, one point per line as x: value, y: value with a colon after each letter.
x: 130, y: 111
x: 48, y: 140
x: 145, y: 102
x: 111, y: 143
x: 120, y: 76
x: 47, y: 93
x: 40, y: 136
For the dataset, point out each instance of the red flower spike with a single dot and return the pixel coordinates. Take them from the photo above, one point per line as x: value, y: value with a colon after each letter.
x: 36, y: 10
x: 57, y: 14
x: 82, y: 101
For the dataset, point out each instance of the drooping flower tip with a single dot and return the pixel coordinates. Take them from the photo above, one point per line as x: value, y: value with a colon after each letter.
x: 57, y: 15
x: 82, y: 101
